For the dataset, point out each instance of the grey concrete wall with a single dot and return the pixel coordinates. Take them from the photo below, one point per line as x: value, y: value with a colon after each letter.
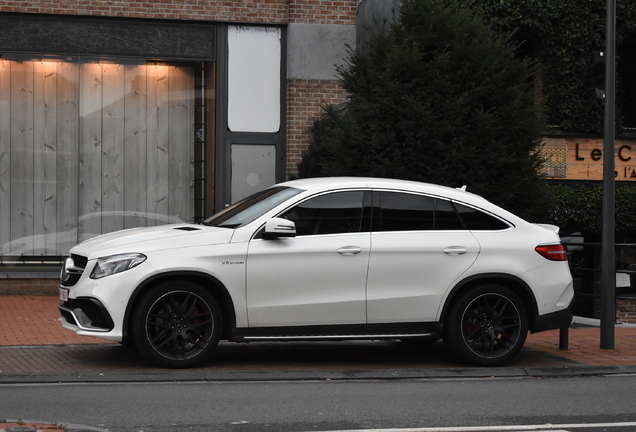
x: 314, y: 50
x: 373, y: 16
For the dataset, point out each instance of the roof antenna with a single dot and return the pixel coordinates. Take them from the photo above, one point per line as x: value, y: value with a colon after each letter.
x: 463, y: 188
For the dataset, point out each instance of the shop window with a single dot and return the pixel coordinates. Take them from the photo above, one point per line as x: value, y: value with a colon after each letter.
x: 89, y: 147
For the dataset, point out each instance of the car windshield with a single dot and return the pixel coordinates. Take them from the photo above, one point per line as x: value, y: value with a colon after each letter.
x: 252, y: 207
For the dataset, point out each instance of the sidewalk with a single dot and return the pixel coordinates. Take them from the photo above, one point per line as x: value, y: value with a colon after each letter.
x: 34, y: 348
x: 32, y: 341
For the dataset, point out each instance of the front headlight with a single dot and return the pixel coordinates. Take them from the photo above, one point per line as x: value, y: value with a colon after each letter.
x: 111, y: 265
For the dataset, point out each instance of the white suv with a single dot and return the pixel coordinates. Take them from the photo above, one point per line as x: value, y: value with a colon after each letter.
x: 325, y: 259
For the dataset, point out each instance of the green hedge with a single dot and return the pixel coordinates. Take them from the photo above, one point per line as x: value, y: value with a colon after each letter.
x: 563, y: 35
x: 579, y: 207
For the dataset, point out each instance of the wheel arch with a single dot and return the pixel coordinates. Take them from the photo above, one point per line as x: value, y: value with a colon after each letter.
x: 212, y: 284
x: 518, y: 286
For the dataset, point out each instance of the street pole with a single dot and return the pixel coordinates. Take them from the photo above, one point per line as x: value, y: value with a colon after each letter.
x: 608, y: 276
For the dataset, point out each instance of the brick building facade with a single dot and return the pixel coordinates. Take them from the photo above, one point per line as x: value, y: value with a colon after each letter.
x: 79, y: 62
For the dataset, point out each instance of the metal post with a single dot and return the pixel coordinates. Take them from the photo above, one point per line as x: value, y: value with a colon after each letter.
x: 564, y: 338
x: 608, y: 277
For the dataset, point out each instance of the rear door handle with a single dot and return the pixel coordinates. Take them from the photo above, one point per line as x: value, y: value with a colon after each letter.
x: 455, y: 250
x: 349, y: 250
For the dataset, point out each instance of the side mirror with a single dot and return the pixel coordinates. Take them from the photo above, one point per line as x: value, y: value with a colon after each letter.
x: 279, y: 227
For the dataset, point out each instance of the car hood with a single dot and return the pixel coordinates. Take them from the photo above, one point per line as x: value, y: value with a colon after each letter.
x: 149, y: 239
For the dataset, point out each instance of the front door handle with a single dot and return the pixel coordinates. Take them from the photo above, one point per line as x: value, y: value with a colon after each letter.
x: 455, y: 250
x: 349, y: 250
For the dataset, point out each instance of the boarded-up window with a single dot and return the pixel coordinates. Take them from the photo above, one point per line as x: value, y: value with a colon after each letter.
x: 91, y: 147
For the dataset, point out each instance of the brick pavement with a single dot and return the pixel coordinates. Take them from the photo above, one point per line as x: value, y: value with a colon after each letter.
x: 32, y: 320
x: 32, y: 341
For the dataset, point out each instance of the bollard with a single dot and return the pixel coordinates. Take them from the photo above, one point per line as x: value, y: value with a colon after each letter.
x: 564, y: 338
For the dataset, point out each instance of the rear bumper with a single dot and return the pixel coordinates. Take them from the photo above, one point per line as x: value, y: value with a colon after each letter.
x: 555, y: 320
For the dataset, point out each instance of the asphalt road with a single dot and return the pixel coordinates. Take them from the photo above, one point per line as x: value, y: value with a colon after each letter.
x: 322, y: 405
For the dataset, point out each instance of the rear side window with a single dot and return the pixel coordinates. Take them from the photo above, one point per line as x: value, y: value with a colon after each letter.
x: 399, y: 211
x: 406, y: 212
x: 446, y: 217
x: 476, y: 220
x: 411, y: 212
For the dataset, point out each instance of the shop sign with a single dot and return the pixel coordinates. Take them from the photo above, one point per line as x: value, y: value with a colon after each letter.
x: 582, y: 159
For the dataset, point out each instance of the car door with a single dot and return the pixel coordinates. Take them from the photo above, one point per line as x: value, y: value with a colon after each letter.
x: 317, y: 277
x: 419, y: 249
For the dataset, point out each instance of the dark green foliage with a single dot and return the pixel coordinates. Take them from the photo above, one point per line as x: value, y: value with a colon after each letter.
x: 579, y: 207
x: 563, y: 35
x: 437, y: 98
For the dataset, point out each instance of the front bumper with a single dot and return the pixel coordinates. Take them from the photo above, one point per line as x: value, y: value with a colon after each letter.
x: 86, y: 314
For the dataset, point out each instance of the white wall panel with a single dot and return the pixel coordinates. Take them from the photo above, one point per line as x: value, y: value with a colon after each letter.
x: 254, y: 62
x: 253, y: 169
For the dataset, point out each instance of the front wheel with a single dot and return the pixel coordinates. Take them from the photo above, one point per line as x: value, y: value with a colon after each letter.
x: 177, y: 324
x: 486, y: 325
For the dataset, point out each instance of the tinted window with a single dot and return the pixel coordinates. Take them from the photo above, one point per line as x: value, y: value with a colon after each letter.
x: 406, y: 212
x: 252, y: 207
x: 334, y: 213
x: 477, y: 220
x: 446, y: 216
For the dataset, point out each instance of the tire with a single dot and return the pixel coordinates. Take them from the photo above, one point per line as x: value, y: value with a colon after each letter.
x: 486, y: 326
x: 177, y: 325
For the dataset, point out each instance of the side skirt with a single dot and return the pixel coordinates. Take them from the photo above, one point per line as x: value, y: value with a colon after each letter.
x: 339, y: 332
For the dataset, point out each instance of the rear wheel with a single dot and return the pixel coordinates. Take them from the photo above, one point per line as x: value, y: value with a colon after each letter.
x: 486, y: 326
x: 177, y: 324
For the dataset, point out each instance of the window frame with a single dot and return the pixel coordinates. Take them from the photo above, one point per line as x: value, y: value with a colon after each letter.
x: 377, y: 213
x: 365, y: 215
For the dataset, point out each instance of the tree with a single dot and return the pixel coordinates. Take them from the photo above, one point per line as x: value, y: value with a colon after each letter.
x: 440, y: 98
x: 564, y: 34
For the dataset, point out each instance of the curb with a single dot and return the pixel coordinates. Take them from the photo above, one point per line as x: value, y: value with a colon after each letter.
x: 313, y: 375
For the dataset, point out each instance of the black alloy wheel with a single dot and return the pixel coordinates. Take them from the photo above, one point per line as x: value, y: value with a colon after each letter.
x: 177, y: 325
x: 487, y: 326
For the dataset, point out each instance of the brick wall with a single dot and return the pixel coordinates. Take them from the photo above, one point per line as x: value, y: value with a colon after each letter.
x: 250, y: 11
x: 305, y: 98
x: 626, y: 311
x: 341, y: 12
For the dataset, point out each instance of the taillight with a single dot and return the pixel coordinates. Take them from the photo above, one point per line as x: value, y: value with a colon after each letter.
x: 553, y: 252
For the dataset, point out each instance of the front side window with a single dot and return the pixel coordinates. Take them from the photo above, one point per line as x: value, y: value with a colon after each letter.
x: 334, y: 213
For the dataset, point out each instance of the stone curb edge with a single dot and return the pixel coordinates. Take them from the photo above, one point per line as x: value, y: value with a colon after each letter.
x: 311, y: 375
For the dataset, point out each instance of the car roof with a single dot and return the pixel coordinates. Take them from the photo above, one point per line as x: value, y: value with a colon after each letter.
x: 318, y: 184
x: 323, y: 184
